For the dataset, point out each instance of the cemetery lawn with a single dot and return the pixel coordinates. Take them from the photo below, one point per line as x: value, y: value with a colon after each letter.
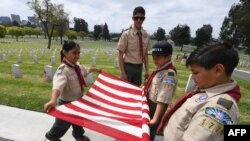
x: 32, y: 91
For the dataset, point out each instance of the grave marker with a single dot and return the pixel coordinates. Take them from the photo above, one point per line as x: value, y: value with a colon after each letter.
x: 89, y: 79
x: 19, y: 58
x: 5, y: 59
x: 116, y: 63
x: 48, y: 73
x: 93, y: 62
x: 35, y: 59
x: 53, y: 60
x: 15, y: 70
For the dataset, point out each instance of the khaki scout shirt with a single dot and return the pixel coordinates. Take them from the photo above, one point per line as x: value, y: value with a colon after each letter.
x: 66, y: 81
x: 163, y: 86
x: 201, y: 117
x: 129, y: 45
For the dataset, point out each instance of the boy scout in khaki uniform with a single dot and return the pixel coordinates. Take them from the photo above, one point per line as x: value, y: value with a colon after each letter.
x: 160, y: 85
x: 133, y: 45
x: 201, y: 115
x: 66, y: 81
x: 68, y: 85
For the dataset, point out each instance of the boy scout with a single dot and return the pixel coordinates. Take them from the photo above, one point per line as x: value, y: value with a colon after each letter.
x: 133, y: 45
x: 200, y: 115
x: 68, y: 85
x: 160, y: 85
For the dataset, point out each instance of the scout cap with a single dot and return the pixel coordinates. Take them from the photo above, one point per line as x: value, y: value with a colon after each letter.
x: 162, y: 48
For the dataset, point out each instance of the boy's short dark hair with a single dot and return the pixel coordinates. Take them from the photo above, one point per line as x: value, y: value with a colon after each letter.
x: 139, y: 9
x: 209, y: 55
x: 162, y: 48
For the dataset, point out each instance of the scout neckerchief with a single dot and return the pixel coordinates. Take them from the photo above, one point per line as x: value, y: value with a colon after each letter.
x: 234, y: 93
x: 78, y: 72
x: 140, y: 45
x: 152, y: 75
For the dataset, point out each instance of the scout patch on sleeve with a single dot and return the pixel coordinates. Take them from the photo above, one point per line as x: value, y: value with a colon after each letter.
x: 212, y: 125
x: 219, y: 115
x: 201, y: 98
x: 60, y: 70
x: 160, y: 75
x: 169, y: 83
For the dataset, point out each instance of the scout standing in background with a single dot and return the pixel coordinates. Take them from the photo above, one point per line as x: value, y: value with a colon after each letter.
x: 133, y: 45
x: 200, y: 115
x: 160, y: 85
x: 68, y: 85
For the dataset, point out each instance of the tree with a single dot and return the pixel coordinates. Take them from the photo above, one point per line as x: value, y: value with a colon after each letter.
x: 49, y: 14
x: 235, y: 28
x: 71, y: 34
x: 243, y: 24
x: 37, y: 31
x: 80, y: 25
x: 160, y: 34
x: 82, y: 34
x: 97, y: 32
x: 2, y: 31
x: 105, y: 32
x: 203, y: 35
x: 180, y: 35
x: 229, y: 31
x: 15, y: 31
x: 62, y: 21
x: 28, y: 31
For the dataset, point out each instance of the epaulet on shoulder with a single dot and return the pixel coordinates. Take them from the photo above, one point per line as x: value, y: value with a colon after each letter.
x: 126, y: 29
x: 171, y: 72
x: 61, y: 66
x: 225, y: 103
x: 130, y: 27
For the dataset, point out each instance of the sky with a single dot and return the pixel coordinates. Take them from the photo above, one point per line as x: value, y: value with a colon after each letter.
x: 166, y: 14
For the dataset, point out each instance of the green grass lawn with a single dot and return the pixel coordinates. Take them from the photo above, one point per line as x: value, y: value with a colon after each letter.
x: 32, y: 90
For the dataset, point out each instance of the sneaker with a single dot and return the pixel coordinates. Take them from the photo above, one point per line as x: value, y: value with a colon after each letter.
x: 83, y: 138
x: 49, y: 137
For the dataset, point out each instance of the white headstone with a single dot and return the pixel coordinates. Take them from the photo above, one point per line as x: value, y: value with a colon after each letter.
x: 93, y: 63
x: 16, y: 72
x: 35, y: 59
x: 110, y: 57
x: 81, y: 55
x: 89, y: 79
x: 53, y: 60
x: 116, y: 63
x: 183, y: 61
x: 5, y: 59
x: 19, y: 58
x: 190, y: 84
x: 48, y: 72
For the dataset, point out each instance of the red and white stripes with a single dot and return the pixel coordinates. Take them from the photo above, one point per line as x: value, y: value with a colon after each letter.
x: 112, y: 107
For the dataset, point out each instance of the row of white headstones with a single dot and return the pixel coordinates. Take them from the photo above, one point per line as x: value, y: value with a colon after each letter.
x: 48, y: 69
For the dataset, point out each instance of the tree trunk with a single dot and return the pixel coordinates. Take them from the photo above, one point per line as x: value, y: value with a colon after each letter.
x: 50, y: 36
x: 49, y: 42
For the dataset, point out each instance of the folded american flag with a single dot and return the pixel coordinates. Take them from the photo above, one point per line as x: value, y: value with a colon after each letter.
x: 112, y: 107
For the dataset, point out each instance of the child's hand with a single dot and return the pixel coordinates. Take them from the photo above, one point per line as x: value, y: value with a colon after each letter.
x: 152, y: 122
x: 95, y: 69
x: 49, y: 105
x: 99, y: 70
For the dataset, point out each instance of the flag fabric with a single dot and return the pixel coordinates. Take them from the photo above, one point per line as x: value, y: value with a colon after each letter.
x: 112, y: 107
